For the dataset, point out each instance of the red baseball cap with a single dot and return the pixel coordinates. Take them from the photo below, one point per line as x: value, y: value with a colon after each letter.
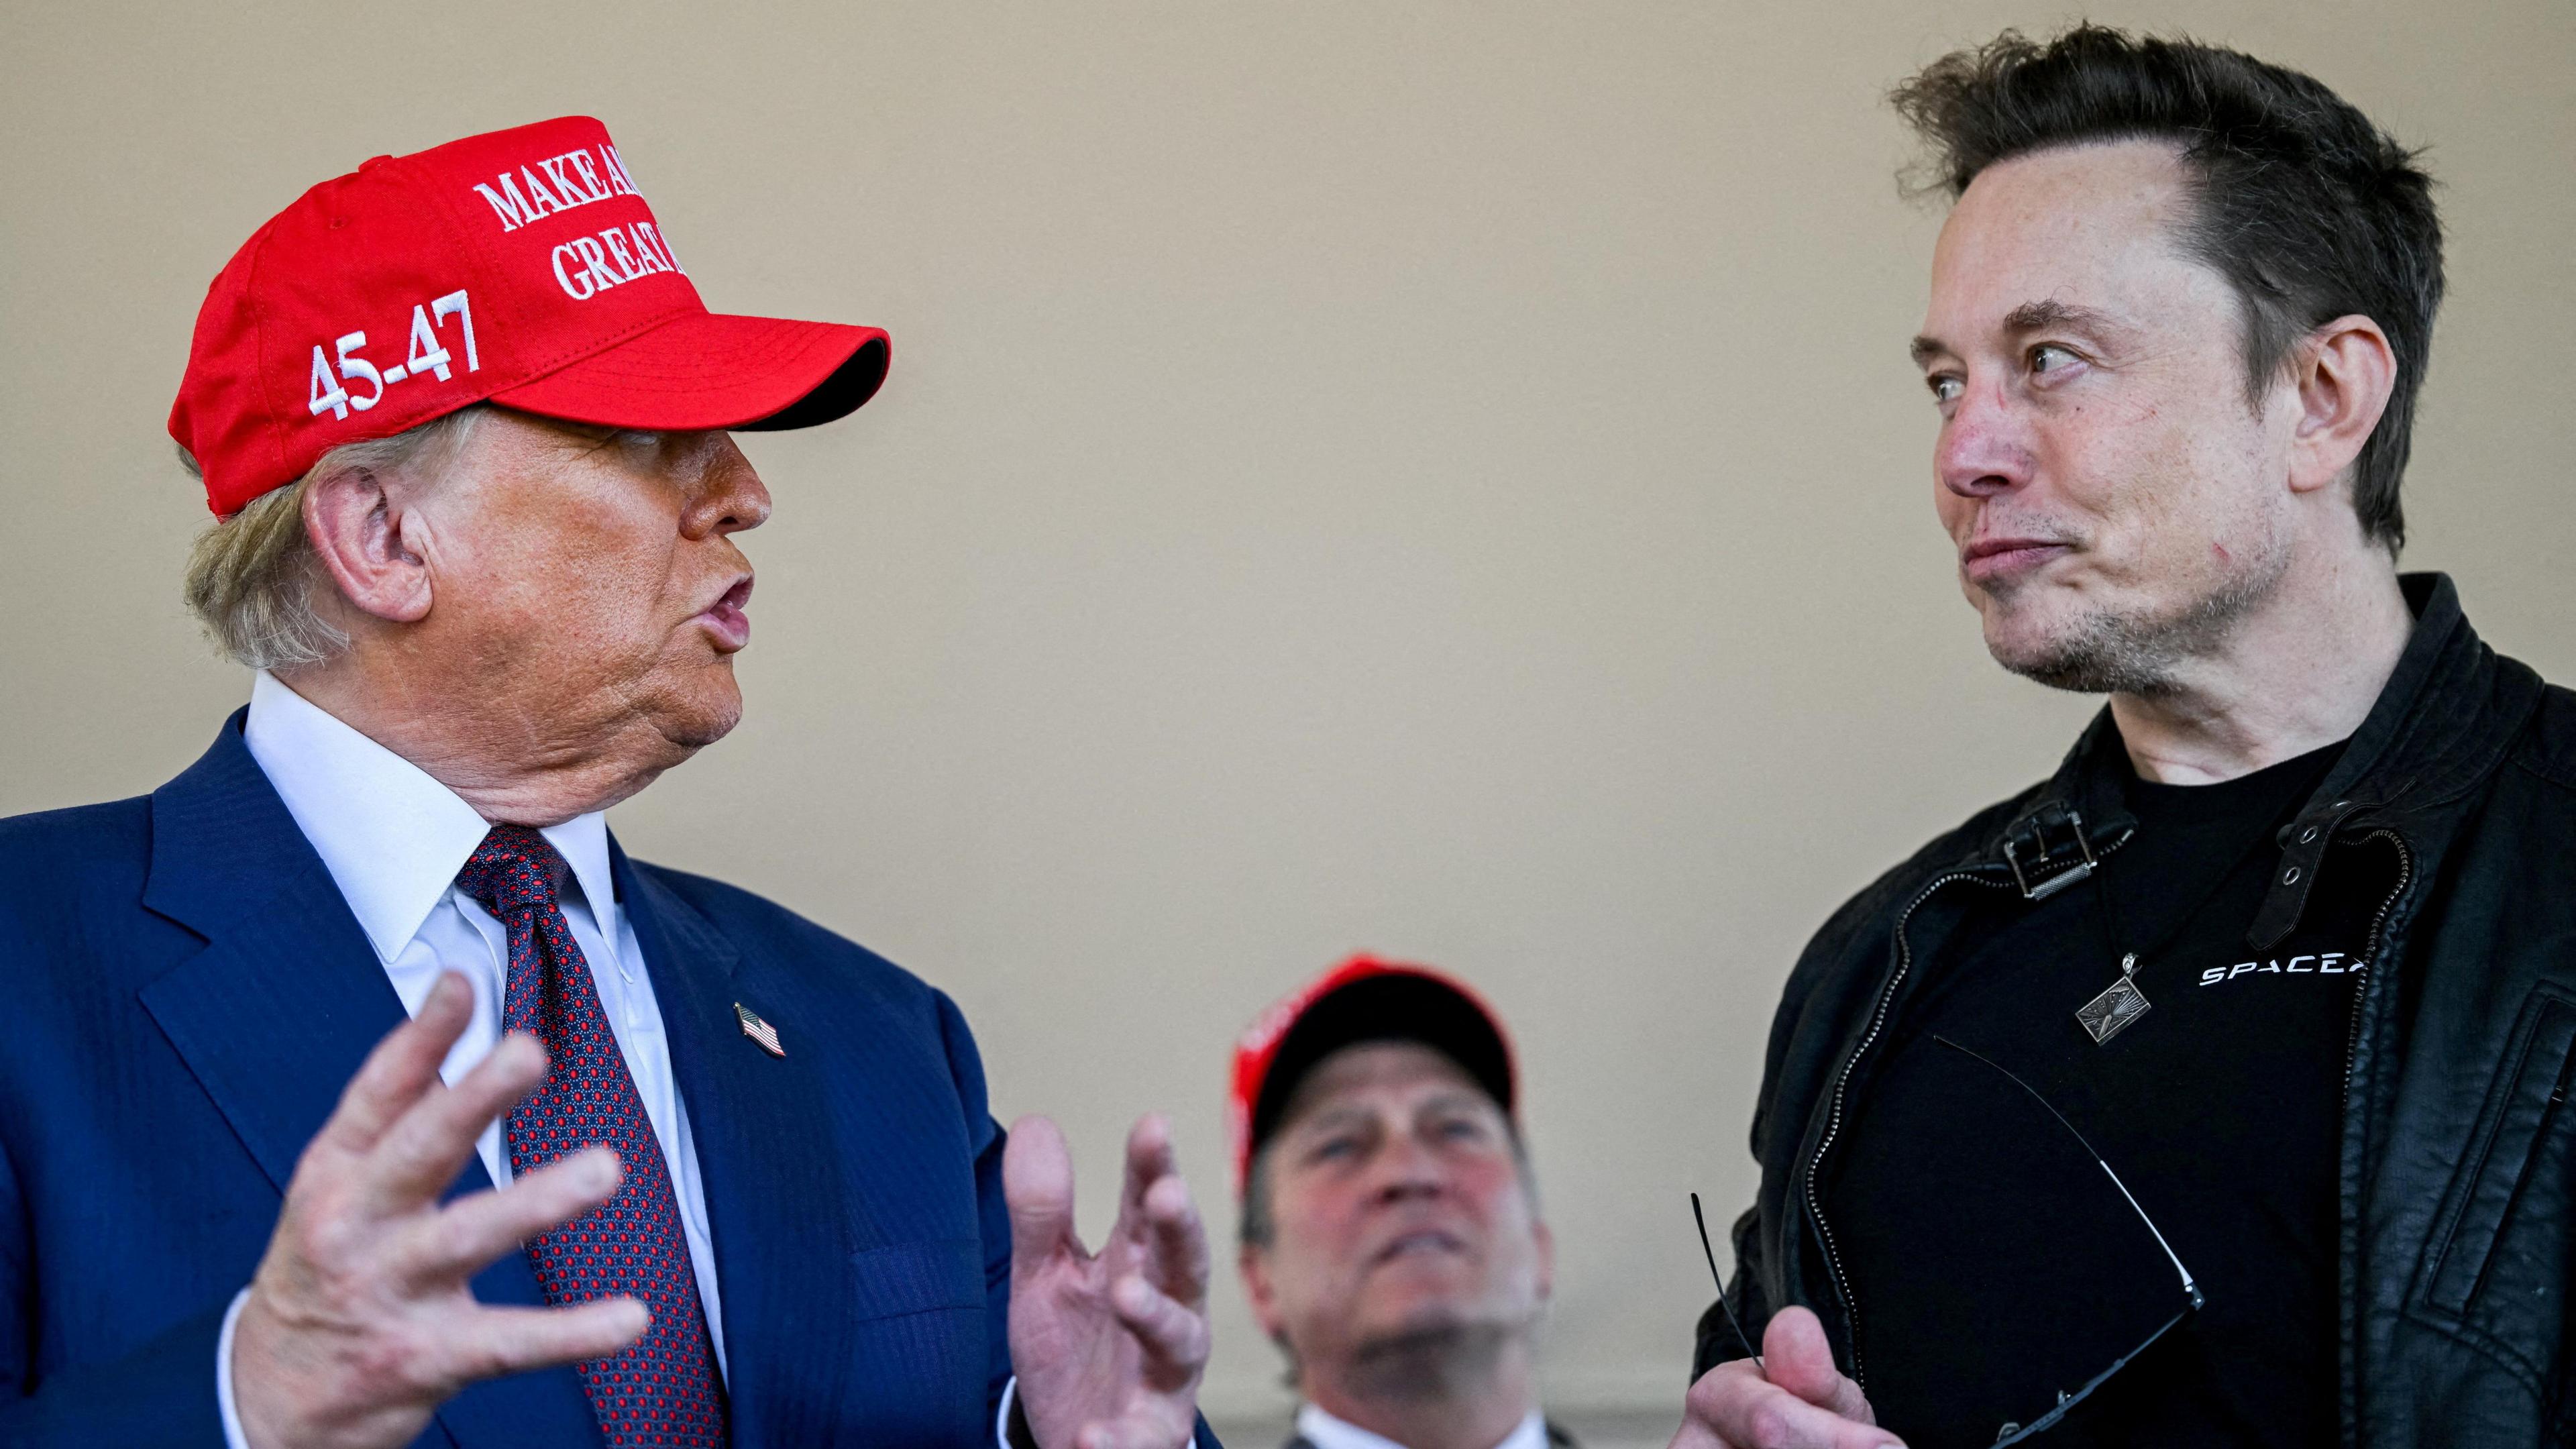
x: 520, y: 267
x: 1363, y: 999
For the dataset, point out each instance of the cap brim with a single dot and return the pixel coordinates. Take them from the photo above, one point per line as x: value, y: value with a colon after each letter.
x: 710, y: 370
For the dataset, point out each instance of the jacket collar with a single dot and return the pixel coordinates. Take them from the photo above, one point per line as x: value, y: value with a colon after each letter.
x: 2441, y: 724
x: 222, y: 842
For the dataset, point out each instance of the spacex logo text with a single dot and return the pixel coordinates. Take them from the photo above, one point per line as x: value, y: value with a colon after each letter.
x: 2332, y: 963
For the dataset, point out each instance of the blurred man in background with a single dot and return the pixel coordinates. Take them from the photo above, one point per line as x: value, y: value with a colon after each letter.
x: 1391, y: 1238
x: 2284, y: 945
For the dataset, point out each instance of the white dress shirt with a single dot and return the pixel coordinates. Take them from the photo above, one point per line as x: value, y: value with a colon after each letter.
x: 393, y: 839
x: 1326, y: 1432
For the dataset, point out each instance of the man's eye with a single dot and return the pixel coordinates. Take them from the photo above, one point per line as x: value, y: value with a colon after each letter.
x: 2046, y: 358
x: 1454, y: 1130
x: 1332, y: 1147
x: 1945, y: 386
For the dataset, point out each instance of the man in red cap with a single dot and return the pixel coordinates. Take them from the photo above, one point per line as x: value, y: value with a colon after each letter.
x: 357, y: 1090
x: 1391, y: 1242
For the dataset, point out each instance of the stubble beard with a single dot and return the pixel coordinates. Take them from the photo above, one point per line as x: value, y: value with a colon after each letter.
x: 1431, y: 1359
x: 2142, y: 652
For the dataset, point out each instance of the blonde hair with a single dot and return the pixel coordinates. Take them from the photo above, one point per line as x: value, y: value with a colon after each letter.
x: 253, y: 579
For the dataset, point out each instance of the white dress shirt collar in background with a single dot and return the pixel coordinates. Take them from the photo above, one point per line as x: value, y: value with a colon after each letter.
x: 395, y: 859
x: 1326, y: 1432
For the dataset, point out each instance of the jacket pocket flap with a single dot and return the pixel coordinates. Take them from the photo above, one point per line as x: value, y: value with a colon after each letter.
x: 917, y: 1277
x: 2513, y: 1134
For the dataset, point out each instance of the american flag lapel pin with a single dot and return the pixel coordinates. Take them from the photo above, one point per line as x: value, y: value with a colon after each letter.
x: 759, y: 1030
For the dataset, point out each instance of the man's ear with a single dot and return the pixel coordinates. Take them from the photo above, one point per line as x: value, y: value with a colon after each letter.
x: 2345, y: 375
x: 1258, y: 1290
x: 372, y: 546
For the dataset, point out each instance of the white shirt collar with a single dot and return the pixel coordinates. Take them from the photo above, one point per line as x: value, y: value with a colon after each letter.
x: 1326, y: 1432
x: 392, y: 837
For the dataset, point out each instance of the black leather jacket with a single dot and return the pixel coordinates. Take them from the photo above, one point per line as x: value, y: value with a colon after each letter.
x: 2459, y: 1145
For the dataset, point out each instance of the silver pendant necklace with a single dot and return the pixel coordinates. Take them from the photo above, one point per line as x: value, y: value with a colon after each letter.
x: 2110, y: 1013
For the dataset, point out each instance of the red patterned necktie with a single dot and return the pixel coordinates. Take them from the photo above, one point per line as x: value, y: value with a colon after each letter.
x: 661, y: 1390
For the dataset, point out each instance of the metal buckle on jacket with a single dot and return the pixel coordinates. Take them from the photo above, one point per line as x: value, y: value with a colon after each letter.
x: 2074, y: 870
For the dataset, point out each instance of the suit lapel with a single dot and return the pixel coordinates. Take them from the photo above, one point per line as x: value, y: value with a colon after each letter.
x: 776, y: 1206
x: 282, y: 1006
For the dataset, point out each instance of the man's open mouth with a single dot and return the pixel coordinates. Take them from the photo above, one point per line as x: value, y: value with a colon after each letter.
x: 727, y: 618
x: 1421, y: 1242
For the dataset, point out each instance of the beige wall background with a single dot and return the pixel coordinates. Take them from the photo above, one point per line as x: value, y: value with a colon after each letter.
x: 1443, y: 478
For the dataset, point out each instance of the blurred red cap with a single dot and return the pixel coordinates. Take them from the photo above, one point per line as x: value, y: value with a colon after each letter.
x: 1363, y: 999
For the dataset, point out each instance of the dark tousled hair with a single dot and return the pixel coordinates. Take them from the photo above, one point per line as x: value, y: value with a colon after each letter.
x: 2307, y: 209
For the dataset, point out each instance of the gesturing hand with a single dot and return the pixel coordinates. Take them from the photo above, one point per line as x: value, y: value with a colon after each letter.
x: 1794, y: 1399
x: 1108, y: 1348
x: 360, y: 1321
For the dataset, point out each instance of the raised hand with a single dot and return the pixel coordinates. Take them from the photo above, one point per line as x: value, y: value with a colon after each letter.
x: 1108, y: 1347
x: 1793, y: 1399
x: 360, y: 1321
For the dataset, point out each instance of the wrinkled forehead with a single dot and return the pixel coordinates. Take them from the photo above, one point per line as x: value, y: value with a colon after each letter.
x: 2099, y: 225
x: 1381, y: 1075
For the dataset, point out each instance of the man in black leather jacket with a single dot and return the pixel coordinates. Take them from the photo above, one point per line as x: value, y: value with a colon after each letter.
x: 2212, y: 1091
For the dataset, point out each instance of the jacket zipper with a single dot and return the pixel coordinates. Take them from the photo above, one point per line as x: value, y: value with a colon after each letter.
x: 2347, y: 1208
x: 1834, y: 1123
x: 2371, y: 944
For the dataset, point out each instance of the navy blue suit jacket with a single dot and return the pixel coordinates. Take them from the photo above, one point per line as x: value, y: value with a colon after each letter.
x: 183, y: 994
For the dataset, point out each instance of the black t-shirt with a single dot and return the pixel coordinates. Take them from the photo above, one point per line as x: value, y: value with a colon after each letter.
x: 1993, y: 1265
